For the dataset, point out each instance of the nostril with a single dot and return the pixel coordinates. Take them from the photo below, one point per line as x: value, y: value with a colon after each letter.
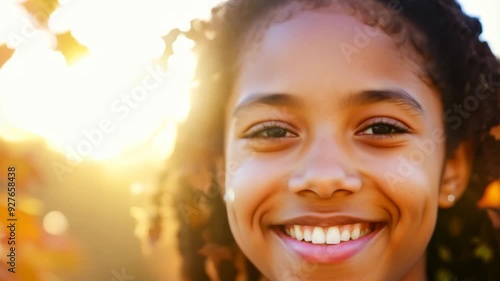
x: 312, y: 194
x: 325, y: 188
x: 322, y: 190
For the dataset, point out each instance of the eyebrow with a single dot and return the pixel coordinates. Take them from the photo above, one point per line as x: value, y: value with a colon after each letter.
x: 398, y: 97
x: 271, y: 99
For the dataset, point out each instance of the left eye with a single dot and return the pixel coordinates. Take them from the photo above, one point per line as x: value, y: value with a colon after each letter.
x: 385, y: 128
x: 269, y: 131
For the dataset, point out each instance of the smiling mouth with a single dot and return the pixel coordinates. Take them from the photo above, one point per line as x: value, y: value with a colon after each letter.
x: 330, y: 235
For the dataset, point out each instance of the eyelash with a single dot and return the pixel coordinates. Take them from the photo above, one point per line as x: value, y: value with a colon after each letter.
x: 266, y: 127
x: 396, y: 127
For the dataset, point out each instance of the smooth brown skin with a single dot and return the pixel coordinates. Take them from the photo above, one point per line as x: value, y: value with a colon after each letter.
x: 329, y: 162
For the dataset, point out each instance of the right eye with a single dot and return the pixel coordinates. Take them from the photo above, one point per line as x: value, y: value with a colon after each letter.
x: 270, y: 130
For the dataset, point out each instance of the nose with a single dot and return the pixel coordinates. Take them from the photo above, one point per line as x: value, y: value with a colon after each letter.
x: 324, y: 172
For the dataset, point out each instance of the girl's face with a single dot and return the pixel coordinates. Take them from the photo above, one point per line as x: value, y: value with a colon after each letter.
x: 334, y: 153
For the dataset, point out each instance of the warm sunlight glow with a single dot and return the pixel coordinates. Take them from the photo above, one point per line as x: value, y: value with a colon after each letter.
x: 114, y: 98
x: 163, y: 141
x: 179, y: 77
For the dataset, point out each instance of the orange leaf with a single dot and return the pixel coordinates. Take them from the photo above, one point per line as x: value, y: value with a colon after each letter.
x: 5, y: 54
x: 25, y: 169
x: 495, y: 132
x: 491, y: 196
x: 27, y: 227
x: 41, y: 9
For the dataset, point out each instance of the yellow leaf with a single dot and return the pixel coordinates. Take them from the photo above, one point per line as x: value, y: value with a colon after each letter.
x: 484, y: 252
x: 71, y: 49
x: 41, y: 9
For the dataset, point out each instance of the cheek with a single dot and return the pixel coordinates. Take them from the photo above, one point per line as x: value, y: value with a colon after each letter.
x: 249, y: 180
x: 410, y: 178
x: 253, y: 175
x: 411, y: 190
x: 252, y: 181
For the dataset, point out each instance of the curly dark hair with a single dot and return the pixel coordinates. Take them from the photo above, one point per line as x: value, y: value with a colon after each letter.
x: 457, y: 63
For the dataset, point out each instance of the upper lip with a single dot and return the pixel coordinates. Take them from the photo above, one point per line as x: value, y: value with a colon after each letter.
x: 326, y: 220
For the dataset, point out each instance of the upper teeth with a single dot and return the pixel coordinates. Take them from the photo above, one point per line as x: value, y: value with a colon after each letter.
x: 328, y: 235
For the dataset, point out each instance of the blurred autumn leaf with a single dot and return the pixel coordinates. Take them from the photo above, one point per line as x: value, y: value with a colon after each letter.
x: 5, y: 54
x: 484, y: 252
x: 491, y: 196
x: 495, y: 131
x: 71, y: 49
x: 25, y: 172
x: 40, y: 255
x: 31, y: 229
x: 40, y: 9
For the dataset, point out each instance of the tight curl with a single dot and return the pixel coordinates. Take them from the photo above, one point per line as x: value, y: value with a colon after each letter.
x: 457, y: 63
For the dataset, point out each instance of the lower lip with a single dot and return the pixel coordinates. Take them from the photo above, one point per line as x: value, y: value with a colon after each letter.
x: 327, y: 253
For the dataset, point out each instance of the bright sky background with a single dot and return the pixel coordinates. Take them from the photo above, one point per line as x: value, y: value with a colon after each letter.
x: 488, y: 12
x: 41, y: 95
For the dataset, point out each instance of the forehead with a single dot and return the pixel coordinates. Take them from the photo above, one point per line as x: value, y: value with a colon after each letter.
x: 377, y: 17
x: 332, y: 44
